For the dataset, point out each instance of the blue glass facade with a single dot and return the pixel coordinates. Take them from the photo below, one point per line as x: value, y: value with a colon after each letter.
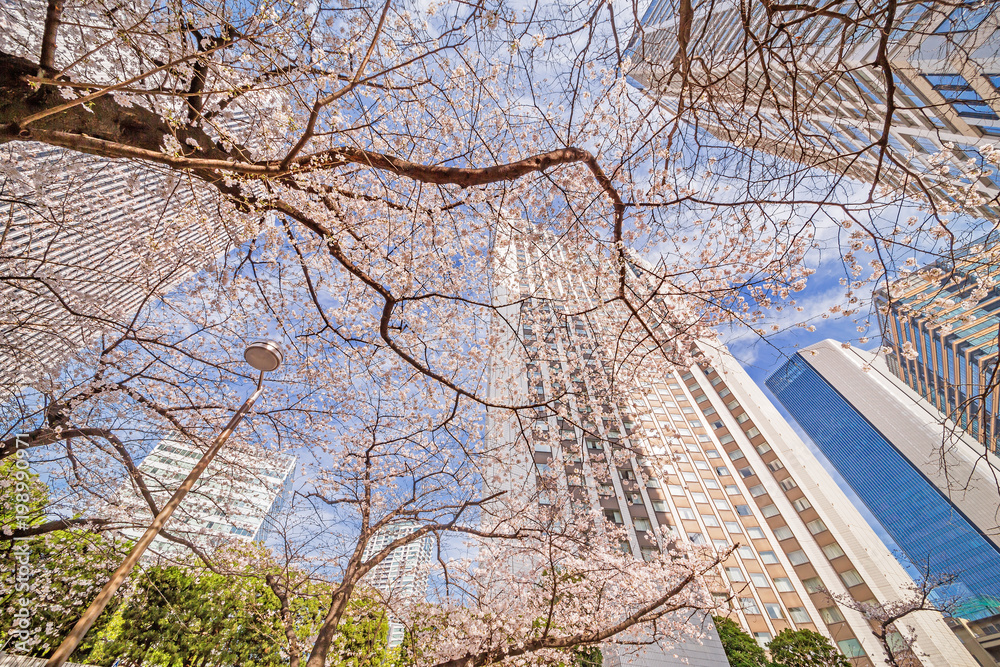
x: 923, y: 522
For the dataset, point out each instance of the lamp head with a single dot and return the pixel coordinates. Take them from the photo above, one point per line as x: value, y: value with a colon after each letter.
x: 264, y: 355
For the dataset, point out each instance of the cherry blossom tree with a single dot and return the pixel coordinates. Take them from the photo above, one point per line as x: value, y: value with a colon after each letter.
x: 929, y: 593
x: 356, y: 180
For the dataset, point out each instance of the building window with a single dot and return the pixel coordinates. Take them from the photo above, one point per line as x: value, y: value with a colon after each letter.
x: 697, y: 539
x: 735, y: 455
x: 742, y: 510
x: 746, y: 472
x: 802, y: 504
x: 813, y: 584
x: 774, y: 610
x: 755, y: 532
x: 816, y: 527
x: 851, y: 648
x: 763, y: 448
x: 753, y: 432
x: 851, y: 578
x: 721, y: 503
x: 775, y: 465
x: 831, y: 615
x: 675, y: 489
x: 749, y: 606
x: 732, y: 490
x: 722, y: 471
x: 710, y: 520
x: 960, y: 95
x: 614, y: 516
x: 733, y: 527
x: 770, y: 510
x: 833, y: 550
x: 788, y: 484
x: 783, y: 533
x: 735, y: 575
x: 798, y: 557
x: 769, y: 557
x: 660, y: 506
x: 759, y: 580
x: 641, y: 523
x: 757, y: 490
x: 783, y: 585
x: 799, y: 615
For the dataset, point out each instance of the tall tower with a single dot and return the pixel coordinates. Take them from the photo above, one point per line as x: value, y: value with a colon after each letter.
x: 237, y: 497
x: 822, y: 99
x: 403, y: 573
x: 941, y: 325
x: 700, y: 455
x: 935, y: 496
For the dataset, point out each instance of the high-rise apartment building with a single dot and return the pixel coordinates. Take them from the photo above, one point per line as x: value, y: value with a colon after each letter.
x: 736, y: 474
x: 236, y: 497
x: 824, y: 102
x: 941, y: 325
x: 934, y: 495
x: 403, y: 573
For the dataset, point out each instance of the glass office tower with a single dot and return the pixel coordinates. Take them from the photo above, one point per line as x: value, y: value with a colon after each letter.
x: 943, y: 335
x: 883, y: 443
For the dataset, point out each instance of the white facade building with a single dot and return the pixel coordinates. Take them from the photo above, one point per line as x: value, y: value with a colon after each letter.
x: 403, y: 573
x: 235, y: 498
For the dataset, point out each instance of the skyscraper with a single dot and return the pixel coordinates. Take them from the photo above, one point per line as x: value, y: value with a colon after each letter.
x: 402, y: 574
x: 74, y: 264
x: 935, y: 496
x: 737, y: 474
x: 822, y: 99
x: 236, y: 497
x: 87, y: 241
x: 941, y: 325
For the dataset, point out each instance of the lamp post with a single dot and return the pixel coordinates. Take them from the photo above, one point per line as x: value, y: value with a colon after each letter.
x: 265, y: 356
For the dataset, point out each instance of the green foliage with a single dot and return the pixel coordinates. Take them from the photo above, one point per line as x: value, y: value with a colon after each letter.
x: 804, y: 648
x: 46, y: 581
x: 176, y: 618
x: 742, y: 650
x: 362, y: 636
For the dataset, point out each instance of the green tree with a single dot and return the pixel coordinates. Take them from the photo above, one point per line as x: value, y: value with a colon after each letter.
x: 48, y: 577
x: 804, y: 648
x: 178, y: 617
x: 742, y: 650
x: 363, y: 636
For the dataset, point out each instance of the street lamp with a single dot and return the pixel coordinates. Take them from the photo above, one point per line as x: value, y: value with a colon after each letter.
x: 264, y: 356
